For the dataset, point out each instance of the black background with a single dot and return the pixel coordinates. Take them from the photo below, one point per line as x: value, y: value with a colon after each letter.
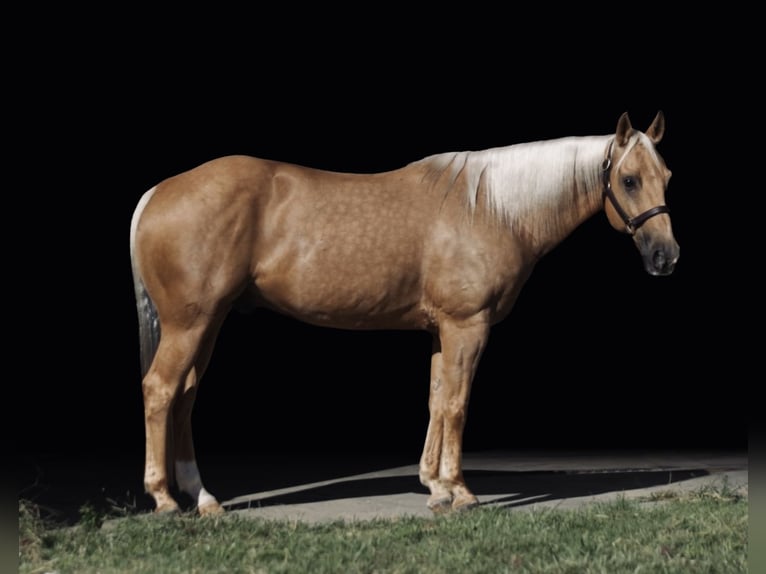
x: 596, y: 353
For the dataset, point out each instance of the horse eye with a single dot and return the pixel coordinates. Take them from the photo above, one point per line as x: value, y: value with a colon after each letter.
x: 629, y: 183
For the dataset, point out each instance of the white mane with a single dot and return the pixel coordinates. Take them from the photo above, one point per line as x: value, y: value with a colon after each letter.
x: 520, y: 179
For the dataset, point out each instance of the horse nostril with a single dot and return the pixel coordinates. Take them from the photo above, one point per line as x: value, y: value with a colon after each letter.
x: 659, y: 260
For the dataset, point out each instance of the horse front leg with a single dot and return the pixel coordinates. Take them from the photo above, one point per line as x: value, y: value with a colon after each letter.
x: 454, y: 359
x: 440, y: 499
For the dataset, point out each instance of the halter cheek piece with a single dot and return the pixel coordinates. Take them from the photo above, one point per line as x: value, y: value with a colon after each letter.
x: 631, y: 223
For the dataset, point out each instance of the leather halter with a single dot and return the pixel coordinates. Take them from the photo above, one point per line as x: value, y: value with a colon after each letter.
x: 631, y: 223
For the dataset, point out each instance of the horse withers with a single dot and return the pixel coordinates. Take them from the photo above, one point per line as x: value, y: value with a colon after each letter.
x: 443, y: 245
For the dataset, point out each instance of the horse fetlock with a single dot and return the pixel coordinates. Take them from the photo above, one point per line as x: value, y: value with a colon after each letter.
x: 440, y: 500
x: 428, y: 479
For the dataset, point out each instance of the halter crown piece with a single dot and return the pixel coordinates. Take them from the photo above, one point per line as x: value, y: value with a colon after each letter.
x: 631, y: 223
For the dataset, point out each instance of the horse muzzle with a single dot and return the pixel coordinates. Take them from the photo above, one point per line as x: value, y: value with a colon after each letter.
x: 660, y: 258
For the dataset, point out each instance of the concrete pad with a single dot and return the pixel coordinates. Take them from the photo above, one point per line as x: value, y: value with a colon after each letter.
x: 517, y: 481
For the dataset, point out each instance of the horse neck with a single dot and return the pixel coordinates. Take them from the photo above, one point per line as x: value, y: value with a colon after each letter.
x: 543, y: 190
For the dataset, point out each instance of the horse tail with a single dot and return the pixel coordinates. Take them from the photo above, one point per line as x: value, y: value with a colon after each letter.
x: 148, y: 319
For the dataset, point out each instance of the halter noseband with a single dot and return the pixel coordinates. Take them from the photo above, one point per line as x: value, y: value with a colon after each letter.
x: 631, y: 223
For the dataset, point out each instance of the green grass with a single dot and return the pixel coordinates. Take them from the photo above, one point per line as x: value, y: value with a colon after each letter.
x: 702, y: 532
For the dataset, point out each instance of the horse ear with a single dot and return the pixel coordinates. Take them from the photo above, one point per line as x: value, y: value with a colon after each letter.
x: 657, y: 129
x: 624, y: 129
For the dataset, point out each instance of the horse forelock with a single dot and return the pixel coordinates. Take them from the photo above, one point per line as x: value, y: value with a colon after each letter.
x: 526, y: 181
x: 642, y: 139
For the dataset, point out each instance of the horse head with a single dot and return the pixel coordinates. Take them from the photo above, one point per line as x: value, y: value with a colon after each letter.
x: 635, y: 179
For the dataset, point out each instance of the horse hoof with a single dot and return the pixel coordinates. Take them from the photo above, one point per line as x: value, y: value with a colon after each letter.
x: 210, y: 509
x: 464, y: 503
x: 440, y: 505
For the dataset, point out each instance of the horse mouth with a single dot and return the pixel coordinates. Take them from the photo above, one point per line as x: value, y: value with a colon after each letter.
x: 660, y: 272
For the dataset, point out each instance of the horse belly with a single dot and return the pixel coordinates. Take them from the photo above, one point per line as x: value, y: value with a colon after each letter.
x: 346, y: 263
x: 354, y: 303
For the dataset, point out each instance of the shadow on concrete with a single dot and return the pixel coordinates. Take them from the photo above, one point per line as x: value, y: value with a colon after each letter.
x: 515, y: 488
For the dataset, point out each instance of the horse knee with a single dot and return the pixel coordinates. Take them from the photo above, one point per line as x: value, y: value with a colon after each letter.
x: 455, y: 413
x: 158, y: 396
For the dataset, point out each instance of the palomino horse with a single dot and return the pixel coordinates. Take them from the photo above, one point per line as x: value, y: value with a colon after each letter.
x: 443, y: 244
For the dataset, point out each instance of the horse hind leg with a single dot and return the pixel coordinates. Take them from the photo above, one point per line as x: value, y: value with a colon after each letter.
x: 185, y: 467
x: 162, y: 385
